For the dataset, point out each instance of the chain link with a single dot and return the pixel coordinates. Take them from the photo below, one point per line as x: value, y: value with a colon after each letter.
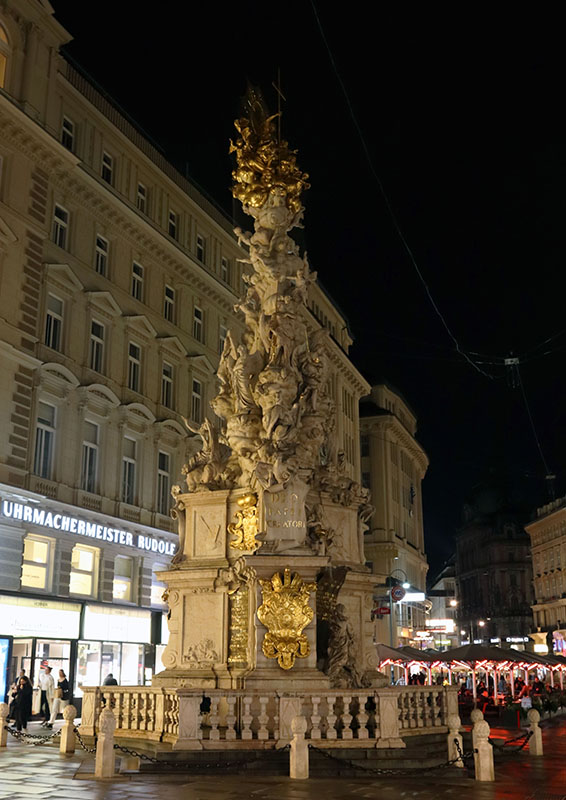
x: 82, y: 744
x: 191, y: 764
x: 22, y: 736
x: 384, y: 771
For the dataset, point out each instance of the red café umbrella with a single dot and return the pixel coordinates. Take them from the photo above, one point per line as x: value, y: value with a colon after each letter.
x: 475, y: 655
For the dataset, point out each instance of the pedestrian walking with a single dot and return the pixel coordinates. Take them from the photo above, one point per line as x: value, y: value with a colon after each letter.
x: 22, y: 703
x: 61, y: 698
x: 47, y: 686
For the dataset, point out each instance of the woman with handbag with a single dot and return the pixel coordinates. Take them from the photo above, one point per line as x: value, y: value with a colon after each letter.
x: 62, y: 697
x: 22, y: 703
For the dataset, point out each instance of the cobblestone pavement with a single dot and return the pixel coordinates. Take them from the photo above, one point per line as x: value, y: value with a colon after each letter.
x: 28, y: 771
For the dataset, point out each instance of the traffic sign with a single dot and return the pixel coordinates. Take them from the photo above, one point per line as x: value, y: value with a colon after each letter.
x: 397, y: 593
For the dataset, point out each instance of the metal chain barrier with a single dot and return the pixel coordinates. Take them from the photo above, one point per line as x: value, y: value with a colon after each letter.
x: 82, y: 744
x: 384, y: 771
x: 523, y: 738
x: 189, y: 764
x: 23, y: 736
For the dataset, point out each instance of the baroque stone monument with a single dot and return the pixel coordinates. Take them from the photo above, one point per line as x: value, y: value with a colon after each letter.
x: 268, y: 588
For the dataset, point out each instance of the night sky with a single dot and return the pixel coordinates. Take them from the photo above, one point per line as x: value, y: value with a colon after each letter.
x: 462, y: 116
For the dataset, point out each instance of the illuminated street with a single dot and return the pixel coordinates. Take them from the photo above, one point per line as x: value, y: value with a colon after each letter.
x: 29, y: 771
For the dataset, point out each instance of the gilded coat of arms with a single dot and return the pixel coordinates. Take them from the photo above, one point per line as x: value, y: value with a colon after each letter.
x: 285, y: 612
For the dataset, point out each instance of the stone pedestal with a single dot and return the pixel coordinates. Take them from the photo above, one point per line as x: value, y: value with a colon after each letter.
x: 231, y: 542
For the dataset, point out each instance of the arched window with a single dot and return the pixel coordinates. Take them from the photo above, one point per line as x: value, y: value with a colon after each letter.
x: 4, y: 55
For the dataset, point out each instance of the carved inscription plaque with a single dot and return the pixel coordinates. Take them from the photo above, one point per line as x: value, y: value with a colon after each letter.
x: 284, y: 517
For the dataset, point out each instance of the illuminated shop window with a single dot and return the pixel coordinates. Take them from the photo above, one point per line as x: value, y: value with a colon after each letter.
x: 84, y: 570
x: 36, y: 565
x: 123, y: 578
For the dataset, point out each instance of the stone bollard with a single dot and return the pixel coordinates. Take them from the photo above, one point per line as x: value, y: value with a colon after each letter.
x: 483, y: 752
x: 105, y: 759
x: 4, y: 711
x: 68, y: 739
x: 454, y: 723
x: 299, y: 759
x: 130, y: 763
x: 535, y: 742
x: 475, y: 716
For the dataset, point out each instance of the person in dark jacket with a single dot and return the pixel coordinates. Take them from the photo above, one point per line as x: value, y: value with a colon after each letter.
x: 24, y: 694
x: 110, y: 680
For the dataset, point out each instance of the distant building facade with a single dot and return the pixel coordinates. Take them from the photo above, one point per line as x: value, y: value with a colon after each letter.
x: 493, y: 573
x: 548, y: 546
x: 442, y: 631
x: 393, y: 465
x: 119, y: 280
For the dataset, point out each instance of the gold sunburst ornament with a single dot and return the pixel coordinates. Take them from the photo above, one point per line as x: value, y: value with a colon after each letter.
x: 285, y: 612
x: 245, y: 529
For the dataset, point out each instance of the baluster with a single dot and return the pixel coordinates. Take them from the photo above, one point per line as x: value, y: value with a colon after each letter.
x: 362, y: 717
x: 427, y: 706
x: 418, y: 708
x: 214, y: 734
x: 144, y: 711
x: 407, y: 709
x: 439, y: 699
x: 247, y: 719
x: 331, y: 732
x: 347, y: 732
x: 316, y: 733
x: 263, y: 719
x: 231, y: 718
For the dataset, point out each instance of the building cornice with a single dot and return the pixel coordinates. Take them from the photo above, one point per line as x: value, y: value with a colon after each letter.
x: 391, y: 424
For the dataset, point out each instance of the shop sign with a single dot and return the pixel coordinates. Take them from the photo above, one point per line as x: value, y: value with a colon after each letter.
x: 113, y: 624
x: 516, y: 639
x: 441, y: 625
x: 61, y: 522
x: 26, y: 616
x: 413, y: 597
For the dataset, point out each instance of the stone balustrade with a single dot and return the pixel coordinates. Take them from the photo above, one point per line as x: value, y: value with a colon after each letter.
x: 197, y: 719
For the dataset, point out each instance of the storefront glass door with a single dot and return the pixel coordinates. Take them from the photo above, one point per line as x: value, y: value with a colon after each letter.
x: 52, y: 653
x: 88, y: 666
x: 21, y: 658
x: 132, y: 665
x: 111, y: 659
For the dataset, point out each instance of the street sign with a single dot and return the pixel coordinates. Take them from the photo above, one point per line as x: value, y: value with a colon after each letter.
x: 383, y: 610
x: 397, y: 593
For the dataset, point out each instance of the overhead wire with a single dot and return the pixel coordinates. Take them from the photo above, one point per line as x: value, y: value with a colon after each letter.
x: 392, y: 214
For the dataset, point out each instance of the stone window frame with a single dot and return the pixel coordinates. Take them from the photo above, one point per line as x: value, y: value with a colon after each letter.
x: 138, y: 281
x: 163, y: 484
x: 49, y: 434
x: 107, y: 167
x: 169, y: 303
x: 60, y: 226
x: 129, y: 464
x: 135, y: 366
x: 101, y: 254
x: 87, y: 449
x: 54, y: 324
x: 97, y: 347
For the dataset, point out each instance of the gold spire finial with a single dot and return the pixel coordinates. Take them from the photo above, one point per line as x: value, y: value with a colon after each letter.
x: 264, y: 160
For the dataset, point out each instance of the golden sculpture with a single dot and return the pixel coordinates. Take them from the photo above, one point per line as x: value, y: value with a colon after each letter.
x: 245, y: 529
x: 265, y: 162
x: 285, y: 612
